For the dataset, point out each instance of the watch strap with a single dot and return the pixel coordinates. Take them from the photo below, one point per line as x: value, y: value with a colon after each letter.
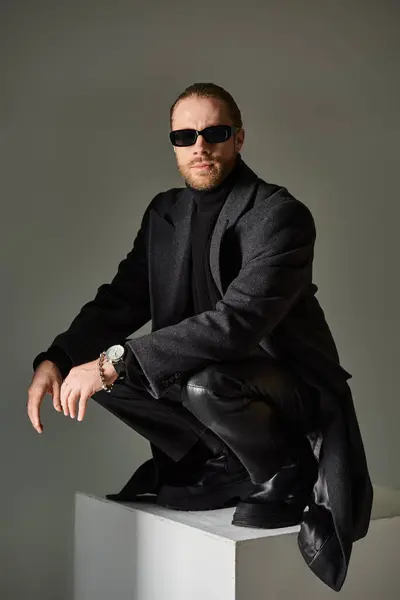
x: 120, y: 369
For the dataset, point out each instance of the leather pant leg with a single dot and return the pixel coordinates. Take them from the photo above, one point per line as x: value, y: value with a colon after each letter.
x: 257, y: 406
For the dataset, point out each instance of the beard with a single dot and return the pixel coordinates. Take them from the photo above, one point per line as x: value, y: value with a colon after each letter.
x: 204, y: 179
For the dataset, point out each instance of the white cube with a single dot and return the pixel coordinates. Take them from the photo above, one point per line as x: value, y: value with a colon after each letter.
x: 136, y: 551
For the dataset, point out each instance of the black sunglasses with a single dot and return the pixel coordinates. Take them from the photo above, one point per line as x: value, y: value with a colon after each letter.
x: 213, y: 135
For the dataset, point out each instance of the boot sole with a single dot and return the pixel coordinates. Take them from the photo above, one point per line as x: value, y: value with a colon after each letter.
x: 261, y: 516
x: 228, y: 495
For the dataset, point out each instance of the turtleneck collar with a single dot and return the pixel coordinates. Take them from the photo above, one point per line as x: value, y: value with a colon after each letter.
x: 213, y: 195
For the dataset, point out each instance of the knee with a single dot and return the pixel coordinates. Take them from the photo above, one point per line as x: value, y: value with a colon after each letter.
x: 205, y: 387
x: 198, y: 388
x: 201, y: 379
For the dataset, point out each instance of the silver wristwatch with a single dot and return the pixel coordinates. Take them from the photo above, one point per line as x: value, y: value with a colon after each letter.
x: 115, y: 355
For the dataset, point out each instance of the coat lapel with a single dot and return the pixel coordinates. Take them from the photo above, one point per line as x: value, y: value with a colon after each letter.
x: 241, y: 193
x: 169, y: 263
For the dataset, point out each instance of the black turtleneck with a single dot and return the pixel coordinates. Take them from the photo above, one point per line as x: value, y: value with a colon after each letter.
x: 208, y: 204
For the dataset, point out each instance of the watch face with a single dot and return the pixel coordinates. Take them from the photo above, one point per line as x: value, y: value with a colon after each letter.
x: 115, y: 353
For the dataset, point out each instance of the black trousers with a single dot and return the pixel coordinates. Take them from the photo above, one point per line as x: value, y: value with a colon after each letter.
x: 256, y: 406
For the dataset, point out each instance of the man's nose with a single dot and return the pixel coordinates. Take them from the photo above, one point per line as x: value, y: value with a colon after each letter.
x: 201, y: 143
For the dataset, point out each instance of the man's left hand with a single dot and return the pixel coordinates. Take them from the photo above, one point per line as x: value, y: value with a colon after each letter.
x: 81, y: 383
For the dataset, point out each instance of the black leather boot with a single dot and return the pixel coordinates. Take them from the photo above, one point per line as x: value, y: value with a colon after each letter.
x: 280, y: 501
x: 221, y: 481
x: 161, y: 470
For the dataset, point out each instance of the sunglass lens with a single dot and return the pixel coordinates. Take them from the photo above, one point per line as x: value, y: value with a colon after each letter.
x: 217, y: 133
x: 183, y: 137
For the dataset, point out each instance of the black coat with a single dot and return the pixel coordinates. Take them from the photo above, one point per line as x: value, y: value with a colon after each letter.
x: 261, y: 258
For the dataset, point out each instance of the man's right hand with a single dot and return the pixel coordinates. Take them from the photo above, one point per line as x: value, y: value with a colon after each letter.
x: 46, y: 379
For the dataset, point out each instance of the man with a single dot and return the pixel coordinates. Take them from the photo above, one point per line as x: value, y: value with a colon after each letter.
x: 238, y: 387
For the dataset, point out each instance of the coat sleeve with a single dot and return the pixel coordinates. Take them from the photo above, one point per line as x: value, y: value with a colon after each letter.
x: 118, y: 309
x: 277, y: 254
x: 58, y: 356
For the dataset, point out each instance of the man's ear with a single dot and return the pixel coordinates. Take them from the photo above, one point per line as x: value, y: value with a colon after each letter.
x: 240, y: 139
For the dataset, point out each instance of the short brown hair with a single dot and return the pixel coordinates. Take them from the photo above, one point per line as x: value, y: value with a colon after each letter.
x: 210, y: 90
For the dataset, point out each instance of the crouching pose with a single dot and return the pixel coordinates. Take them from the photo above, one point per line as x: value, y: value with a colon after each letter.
x: 238, y: 387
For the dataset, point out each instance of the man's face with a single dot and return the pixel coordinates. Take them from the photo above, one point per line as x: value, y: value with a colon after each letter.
x: 198, y: 113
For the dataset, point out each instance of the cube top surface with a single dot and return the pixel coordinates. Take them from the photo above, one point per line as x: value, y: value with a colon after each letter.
x: 218, y: 522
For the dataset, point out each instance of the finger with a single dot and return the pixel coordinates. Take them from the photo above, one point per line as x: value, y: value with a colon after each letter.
x: 72, y: 402
x: 33, y: 407
x: 65, y: 392
x: 82, y: 407
x: 56, y: 396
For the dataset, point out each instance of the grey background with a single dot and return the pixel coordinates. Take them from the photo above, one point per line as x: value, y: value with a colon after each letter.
x: 85, y: 93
